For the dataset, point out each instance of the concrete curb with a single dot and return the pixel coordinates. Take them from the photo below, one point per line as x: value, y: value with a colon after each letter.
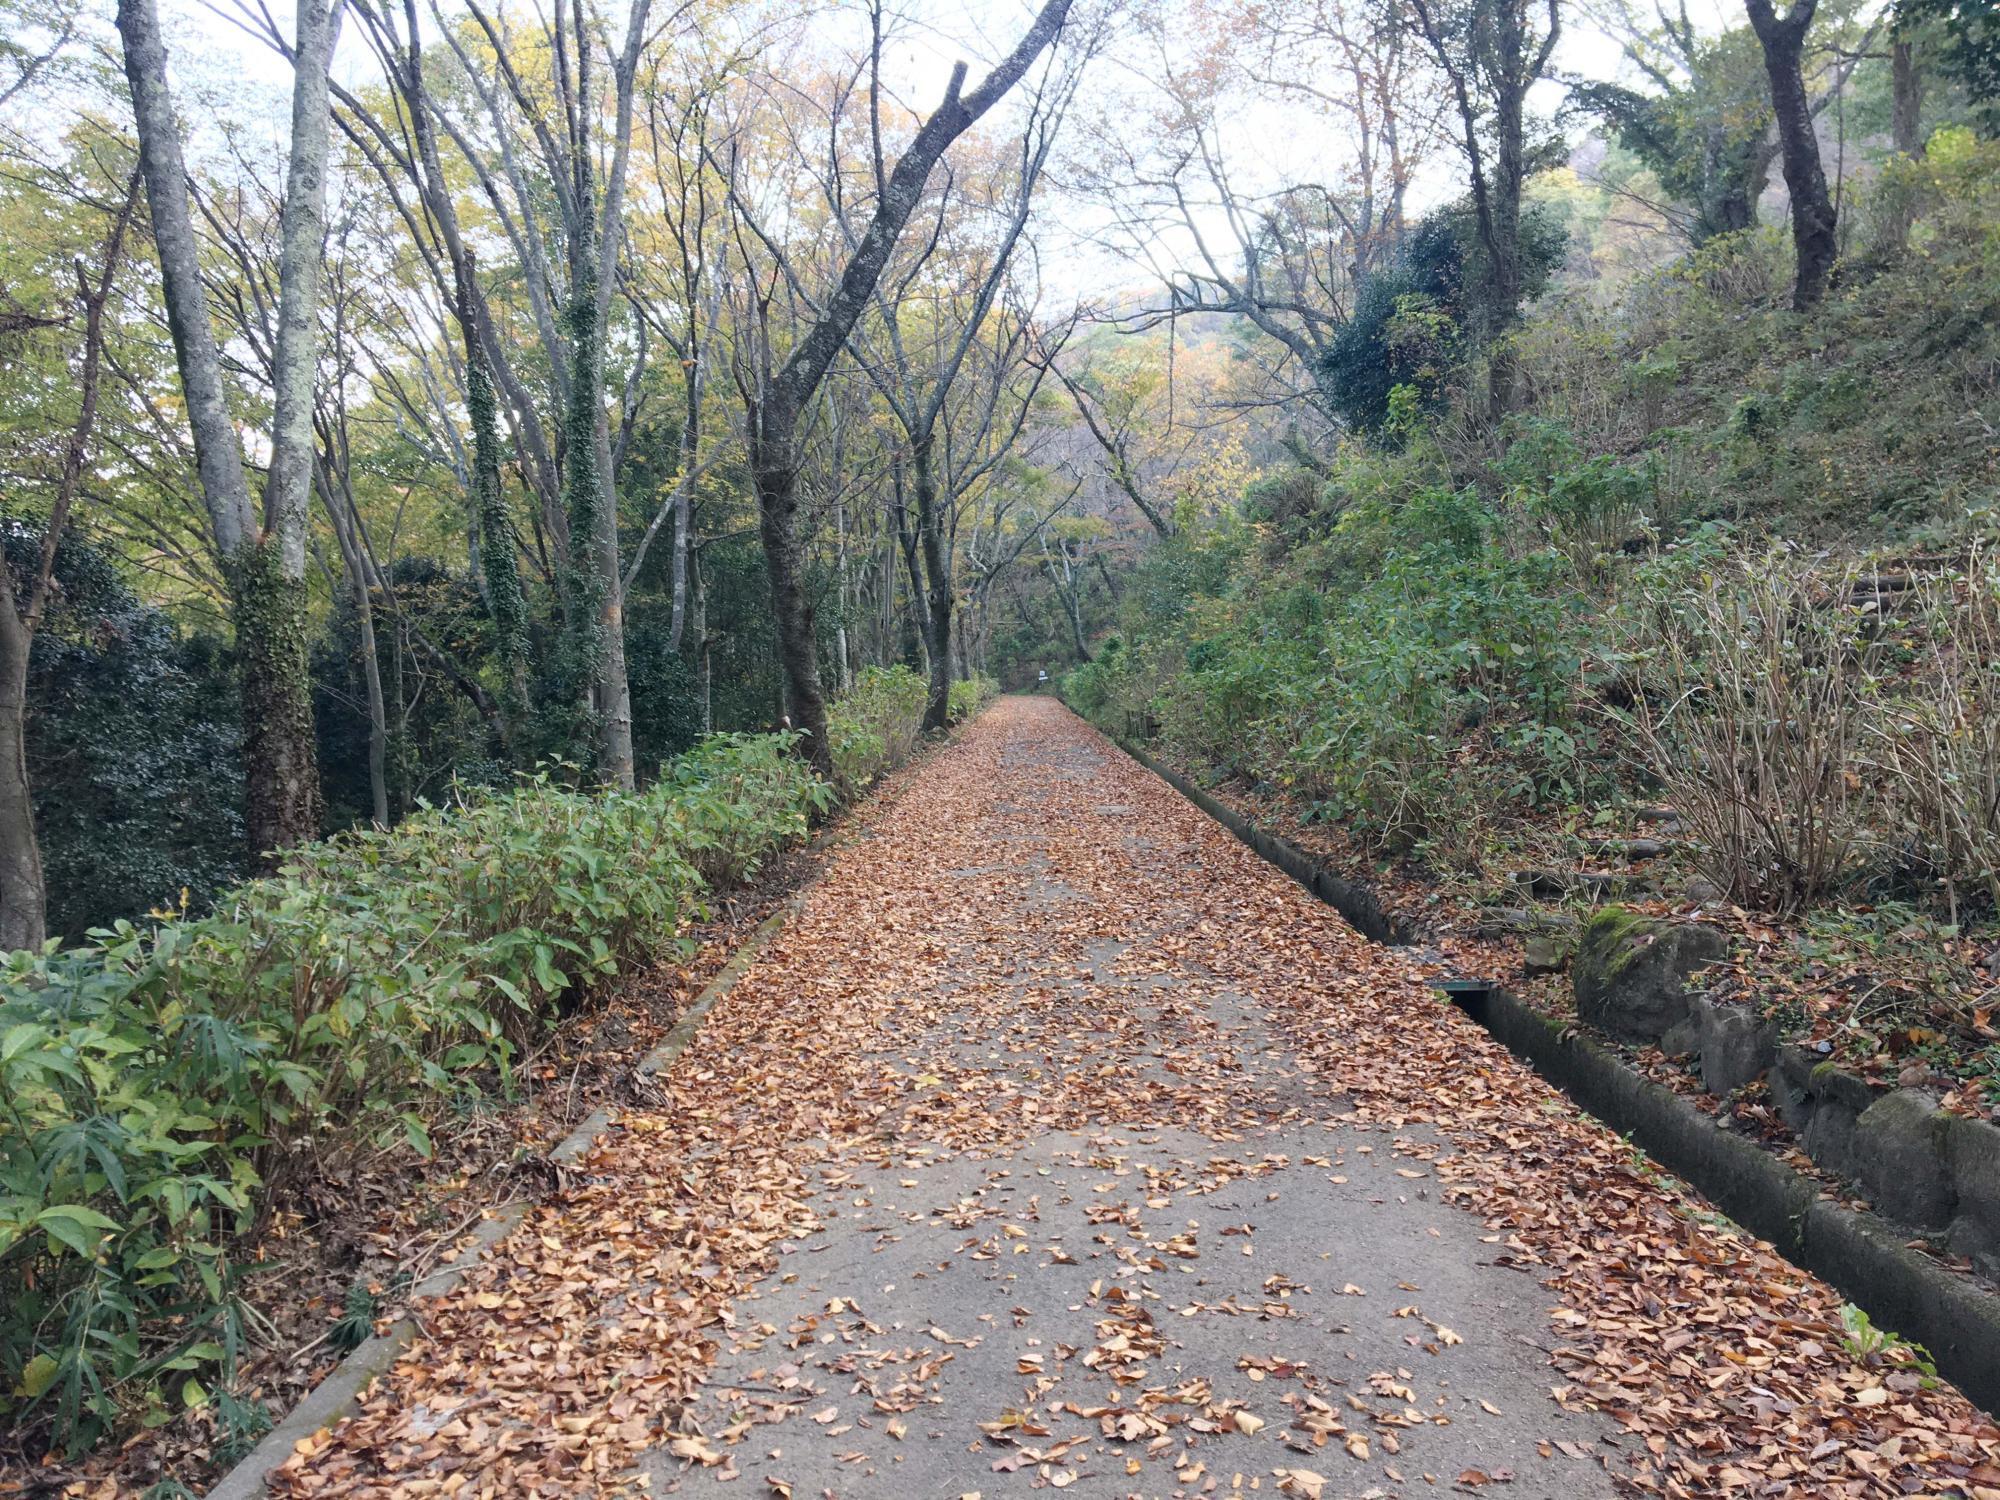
x: 338, y: 1393
x: 1355, y: 902
x: 1863, y: 1256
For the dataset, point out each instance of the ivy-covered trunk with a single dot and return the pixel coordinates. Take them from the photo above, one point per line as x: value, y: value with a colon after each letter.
x: 505, y: 600
x: 594, y: 609
x: 592, y: 587
x: 281, y: 805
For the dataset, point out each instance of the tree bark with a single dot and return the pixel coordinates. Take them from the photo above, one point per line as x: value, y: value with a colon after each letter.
x: 500, y: 578
x: 1906, y: 98
x: 218, y: 456
x: 264, y: 566
x: 936, y: 599
x: 589, y: 476
x: 1813, y: 225
x: 340, y: 512
x: 703, y: 645
x: 23, y: 892
x: 1497, y: 60
x: 1064, y: 577
x: 843, y: 673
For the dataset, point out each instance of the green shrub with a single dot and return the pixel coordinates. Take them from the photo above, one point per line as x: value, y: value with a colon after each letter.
x: 1588, y: 509
x: 158, y: 1085
x: 1363, y: 700
x: 739, y: 796
x: 968, y: 696
x: 1105, y: 689
x: 873, y: 726
x: 132, y: 746
x: 1936, y: 743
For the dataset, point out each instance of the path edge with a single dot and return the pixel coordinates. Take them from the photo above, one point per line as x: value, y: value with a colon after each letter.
x: 342, y: 1388
x: 1862, y: 1255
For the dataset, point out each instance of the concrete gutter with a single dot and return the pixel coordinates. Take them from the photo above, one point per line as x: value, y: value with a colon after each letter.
x: 343, y: 1387
x: 1866, y: 1258
x: 1364, y: 913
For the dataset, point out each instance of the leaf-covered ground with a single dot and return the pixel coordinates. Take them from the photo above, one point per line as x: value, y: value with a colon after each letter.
x: 1059, y: 1143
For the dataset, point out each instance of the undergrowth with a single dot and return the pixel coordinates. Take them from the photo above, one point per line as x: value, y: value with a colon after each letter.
x: 1720, y: 556
x: 162, y: 1085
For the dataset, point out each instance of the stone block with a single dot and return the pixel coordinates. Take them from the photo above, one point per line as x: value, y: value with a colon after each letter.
x: 1631, y: 972
x: 1899, y: 1155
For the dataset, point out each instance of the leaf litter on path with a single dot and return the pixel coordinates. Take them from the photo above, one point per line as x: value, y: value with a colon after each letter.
x: 581, y: 1343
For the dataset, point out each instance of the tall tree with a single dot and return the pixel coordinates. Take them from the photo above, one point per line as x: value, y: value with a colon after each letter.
x: 263, y: 559
x: 593, y: 223
x: 1968, y: 45
x: 929, y: 317
x: 1493, y: 53
x: 1286, y: 256
x: 775, y: 398
x: 1783, y: 39
x: 23, y: 892
x: 401, y: 53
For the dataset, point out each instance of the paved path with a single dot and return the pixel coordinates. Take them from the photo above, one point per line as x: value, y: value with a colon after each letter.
x: 1061, y: 1144
x: 1213, y: 1248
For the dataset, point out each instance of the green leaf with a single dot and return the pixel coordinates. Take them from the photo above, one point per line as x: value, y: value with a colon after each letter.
x: 37, y: 1375
x: 193, y: 1394
x: 72, y: 1225
x: 20, y: 1038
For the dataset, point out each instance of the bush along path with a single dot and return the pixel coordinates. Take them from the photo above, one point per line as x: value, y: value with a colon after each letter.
x: 1060, y: 1143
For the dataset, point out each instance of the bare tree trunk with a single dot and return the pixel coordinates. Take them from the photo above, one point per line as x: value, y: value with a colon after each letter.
x: 23, y: 893
x: 378, y: 713
x: 844, y: 676
x: 265, y: 565
x: 775, y: 409
x: 936, y: 600
x: 774, y: 473
x: 705, y: 646
x: 23, y: 889
x: 1066, y: 588
x: 885, y: 642
x: 218, y: 456
x: 1503, y: 250
x: 1813, y: 224
x: 919, y: 616
x: 1907, y: 98
x: 354, y: 561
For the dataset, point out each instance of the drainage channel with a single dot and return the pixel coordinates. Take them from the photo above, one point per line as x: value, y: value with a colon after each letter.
x: 1867, y: 1259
